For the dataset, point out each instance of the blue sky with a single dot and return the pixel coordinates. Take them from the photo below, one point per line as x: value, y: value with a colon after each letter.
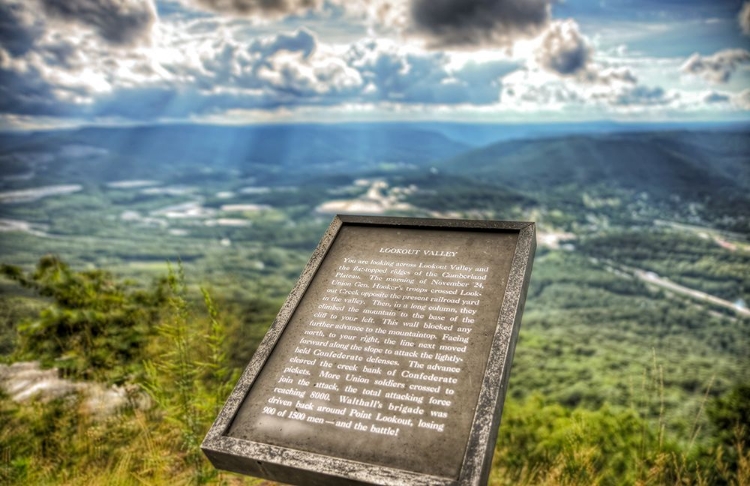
x: 72, y: 62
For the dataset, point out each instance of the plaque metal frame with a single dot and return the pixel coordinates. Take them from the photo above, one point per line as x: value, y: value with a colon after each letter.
x: 294, y: 466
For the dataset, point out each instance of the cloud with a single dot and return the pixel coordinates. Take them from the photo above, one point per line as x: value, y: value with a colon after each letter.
x: 742, y: 100
x: 119, y: 22
x: 271, y: 71
x: 717, y: 68
x: 269, y: 8
x: 714, y: 97
x: 442, y: 23
x: 296, y: 70
x: 23, y: 89
x: 205, y: 66
x: 477, y: 22
x: 47, y: 26
x: 197, y: 71
x: 391, y: 14
x: 609, y: 76
x: 53, y: 60
x: 644, y: 96
x: 52, y: 66
x: 537, y: 90
x: 19, y: 27
x: 563, y: 50
x: 744, y: 18
x: 300, y: 41
x: 487, y: 73
x: 294, y: 78
x: 522, y: 93
x: 395, y: 73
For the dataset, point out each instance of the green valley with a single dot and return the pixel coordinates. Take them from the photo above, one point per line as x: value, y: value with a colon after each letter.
x: 634, y: 352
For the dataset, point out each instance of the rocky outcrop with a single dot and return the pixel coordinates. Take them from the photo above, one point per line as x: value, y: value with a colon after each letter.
x: 28, y: 381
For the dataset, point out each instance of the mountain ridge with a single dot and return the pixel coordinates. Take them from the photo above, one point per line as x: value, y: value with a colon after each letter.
x: 661, y: 163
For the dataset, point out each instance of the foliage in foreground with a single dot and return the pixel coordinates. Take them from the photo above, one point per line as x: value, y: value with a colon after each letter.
x: 96, y: 327
x: 546, y: 443
x: 185, y: 373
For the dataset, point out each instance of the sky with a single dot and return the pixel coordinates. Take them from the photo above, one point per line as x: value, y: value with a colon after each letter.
x: 90, y: 62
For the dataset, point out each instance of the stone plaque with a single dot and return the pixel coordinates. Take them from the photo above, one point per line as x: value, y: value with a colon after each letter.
x: 389, y: 361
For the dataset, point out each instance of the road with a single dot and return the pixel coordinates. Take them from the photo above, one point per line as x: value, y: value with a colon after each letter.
x: 652, y: 278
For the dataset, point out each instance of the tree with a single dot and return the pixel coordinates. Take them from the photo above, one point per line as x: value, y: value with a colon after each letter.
x: 96, y: 327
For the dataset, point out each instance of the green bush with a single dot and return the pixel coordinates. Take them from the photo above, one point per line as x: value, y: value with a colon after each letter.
x: 96, y: 326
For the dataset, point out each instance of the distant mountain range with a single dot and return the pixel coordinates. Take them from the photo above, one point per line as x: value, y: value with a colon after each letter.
x: 705, y: 164
x: 301, y: 147
x: 692, y: 165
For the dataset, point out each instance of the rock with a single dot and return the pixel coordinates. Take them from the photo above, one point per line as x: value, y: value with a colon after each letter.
x: 28, y: 381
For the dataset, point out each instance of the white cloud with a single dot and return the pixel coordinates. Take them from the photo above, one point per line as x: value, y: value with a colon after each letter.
x: 442, y: 23
x: 744, y: 18
x: 717, y: 68
x: 397, y: 73
x: 534, y: 89
x: 204, y: 66
x: 301, y: 77
x: 563, y: 50
x: 610, y: 76
x: 742, y: 100
x: 62, y: 54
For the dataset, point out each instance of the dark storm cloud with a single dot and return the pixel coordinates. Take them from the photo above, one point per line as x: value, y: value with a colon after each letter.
x: 119, y: 22
x: 475, y: 22
x: 18, y: 28
x: 264, y: 7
